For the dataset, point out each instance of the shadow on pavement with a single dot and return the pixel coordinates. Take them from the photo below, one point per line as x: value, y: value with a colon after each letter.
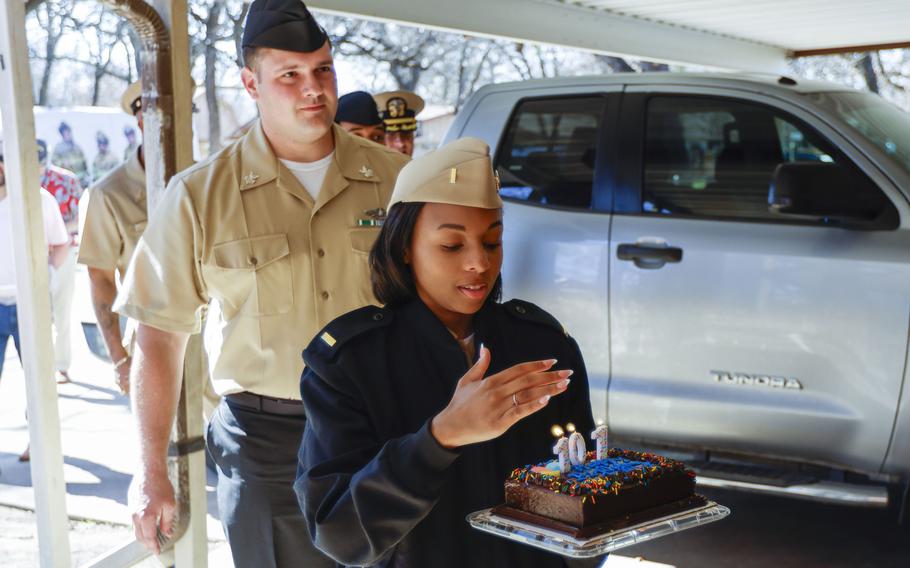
x: 117, y: 399
x: 106, y: 483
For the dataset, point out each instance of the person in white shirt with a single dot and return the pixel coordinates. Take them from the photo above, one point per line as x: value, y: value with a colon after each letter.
x: 57, y: 240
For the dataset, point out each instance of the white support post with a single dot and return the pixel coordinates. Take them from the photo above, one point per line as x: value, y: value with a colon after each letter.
x: 33, y: 298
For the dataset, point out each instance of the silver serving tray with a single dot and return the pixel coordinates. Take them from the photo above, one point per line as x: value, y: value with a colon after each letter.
x: 601, y: 544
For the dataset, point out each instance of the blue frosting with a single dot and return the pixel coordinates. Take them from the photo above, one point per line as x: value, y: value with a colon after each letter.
x: 606, y: 468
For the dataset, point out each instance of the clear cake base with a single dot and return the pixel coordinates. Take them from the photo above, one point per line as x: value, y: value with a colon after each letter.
x: 571, y: 541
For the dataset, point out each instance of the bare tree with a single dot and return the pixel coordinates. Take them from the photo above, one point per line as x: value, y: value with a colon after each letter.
x: 212, y: 25
x: 407, y: 52
x: 135, y: 47
x: 896, y: 78
x: 53, y: 17
x: 650, y: 66
x: 443, y: 67
x: 236, y: 30
x: 515, y: 56
x: 32, y: 5
x: 611, y: 64
x: 473, y: 60
x: 865, y: 66
x: 110, y: 33
x: 884, y: 72
x: 216, y: 23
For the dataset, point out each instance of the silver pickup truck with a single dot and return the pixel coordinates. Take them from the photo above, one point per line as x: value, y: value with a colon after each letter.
x: 732, y: 253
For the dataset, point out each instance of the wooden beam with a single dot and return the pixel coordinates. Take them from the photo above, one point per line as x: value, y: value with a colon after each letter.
x: 175, y: 15
x: 850, y: 49
x: 32, y: 296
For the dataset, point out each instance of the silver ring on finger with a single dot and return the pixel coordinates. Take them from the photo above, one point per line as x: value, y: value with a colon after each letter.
x: 514, y: 399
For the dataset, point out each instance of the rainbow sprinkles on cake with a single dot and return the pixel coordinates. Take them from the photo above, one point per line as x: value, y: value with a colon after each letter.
x: 584, y: 492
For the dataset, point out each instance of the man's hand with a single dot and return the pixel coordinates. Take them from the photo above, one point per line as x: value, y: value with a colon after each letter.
x: 154, y: 508
x: 156, y: 373
x: 122, y: 375
x: 483, y: 409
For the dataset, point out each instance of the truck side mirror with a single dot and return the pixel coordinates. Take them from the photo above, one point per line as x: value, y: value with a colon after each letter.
x: 826, y: 192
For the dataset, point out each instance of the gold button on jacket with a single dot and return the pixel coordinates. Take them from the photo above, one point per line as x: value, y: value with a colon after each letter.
x: 239, y: 231
x: 114, y: 218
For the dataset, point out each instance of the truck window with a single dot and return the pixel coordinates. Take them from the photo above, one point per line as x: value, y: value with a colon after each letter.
x: 548, y: 151
x: 714, y: 158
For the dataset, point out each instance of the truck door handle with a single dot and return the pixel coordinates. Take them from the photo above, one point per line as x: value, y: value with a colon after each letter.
x: 628, y: 251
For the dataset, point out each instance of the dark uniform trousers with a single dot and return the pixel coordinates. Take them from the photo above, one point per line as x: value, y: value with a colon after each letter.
x: 256, y: 457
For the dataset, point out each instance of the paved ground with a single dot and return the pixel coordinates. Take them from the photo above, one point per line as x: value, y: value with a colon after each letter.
x: 99, y: 454
x: 19, y: 545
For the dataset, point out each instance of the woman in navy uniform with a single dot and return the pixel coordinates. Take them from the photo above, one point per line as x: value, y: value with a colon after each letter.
x: 418, y: 411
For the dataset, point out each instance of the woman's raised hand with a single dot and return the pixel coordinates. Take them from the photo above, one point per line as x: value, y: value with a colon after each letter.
x: 481, y: 410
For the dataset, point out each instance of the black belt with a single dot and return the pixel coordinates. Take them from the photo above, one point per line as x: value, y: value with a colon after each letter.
x: 269, y: 404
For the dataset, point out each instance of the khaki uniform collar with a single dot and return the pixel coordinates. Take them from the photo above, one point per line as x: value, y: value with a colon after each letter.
x: 352, y: 157
x: 260, y: 166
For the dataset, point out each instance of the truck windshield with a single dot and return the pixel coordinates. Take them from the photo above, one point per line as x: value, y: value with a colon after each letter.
x: 875, y: 119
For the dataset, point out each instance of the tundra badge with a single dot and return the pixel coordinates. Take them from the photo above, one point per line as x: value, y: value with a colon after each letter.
x: 756, y: 380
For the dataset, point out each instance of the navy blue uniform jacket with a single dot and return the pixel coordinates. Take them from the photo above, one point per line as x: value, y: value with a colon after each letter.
x: 374, y: 485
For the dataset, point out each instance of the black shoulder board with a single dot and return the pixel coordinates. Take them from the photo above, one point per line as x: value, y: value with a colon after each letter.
x: 348, y: 326
x: 531, y: 312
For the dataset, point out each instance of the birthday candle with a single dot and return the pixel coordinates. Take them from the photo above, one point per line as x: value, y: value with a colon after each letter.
x: 577, y: 449
x: 561, y: 449
x: 600, y: 435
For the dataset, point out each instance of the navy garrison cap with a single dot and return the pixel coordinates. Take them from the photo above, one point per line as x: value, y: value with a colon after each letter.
x: 358, y: 107
x: 282, y: 24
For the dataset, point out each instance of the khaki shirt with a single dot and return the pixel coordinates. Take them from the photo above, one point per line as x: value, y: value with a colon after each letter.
x: 115, y: 218
x: 238, y: 231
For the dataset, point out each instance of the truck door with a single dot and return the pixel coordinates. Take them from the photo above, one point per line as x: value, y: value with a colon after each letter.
x: 556, y: 239
x: 732, y: 326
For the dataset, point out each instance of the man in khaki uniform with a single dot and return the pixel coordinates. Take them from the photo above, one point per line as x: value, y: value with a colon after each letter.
x: 273, y: 233
x: 114, y: 220
x: 399, y: 110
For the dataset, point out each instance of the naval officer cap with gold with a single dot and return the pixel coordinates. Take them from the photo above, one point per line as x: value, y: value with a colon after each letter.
x: 399, y: 109
x: 131, y: 100
x: 459, y: 173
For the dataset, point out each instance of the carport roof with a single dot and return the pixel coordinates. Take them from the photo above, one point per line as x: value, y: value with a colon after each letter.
x: 758, y: 35
x: 797, y: 26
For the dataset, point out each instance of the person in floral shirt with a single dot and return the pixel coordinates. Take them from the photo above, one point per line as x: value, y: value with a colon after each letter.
x: 66, y: 189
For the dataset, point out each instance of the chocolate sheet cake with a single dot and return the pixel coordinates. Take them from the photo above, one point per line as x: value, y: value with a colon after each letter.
x: 626, y: 488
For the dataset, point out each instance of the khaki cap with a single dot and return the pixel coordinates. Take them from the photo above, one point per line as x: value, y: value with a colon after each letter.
x: 127, y: 101
x: 459, y: 173
x: 398, y: 109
